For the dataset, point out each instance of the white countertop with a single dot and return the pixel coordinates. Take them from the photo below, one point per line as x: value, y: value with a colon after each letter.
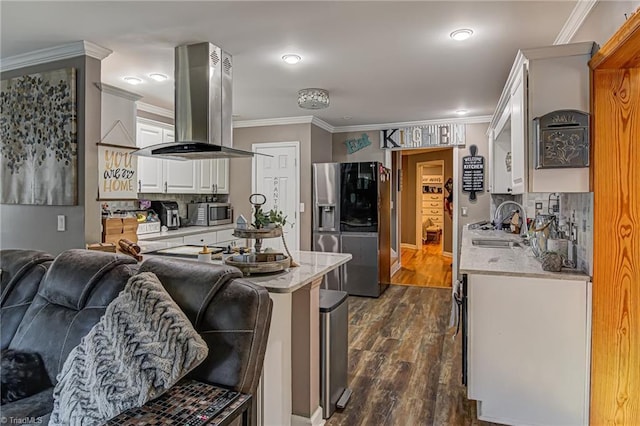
x: 181, y: 232
x: 313, y: 265
x: 515, y: 261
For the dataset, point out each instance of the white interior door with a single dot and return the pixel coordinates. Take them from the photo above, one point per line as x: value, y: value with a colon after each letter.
x: 278, y: 178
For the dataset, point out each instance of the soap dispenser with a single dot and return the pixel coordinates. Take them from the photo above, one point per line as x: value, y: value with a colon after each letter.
x: 204, y: 255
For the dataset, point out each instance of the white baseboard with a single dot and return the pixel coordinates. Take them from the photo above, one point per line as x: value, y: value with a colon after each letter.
x: 409, y: 246
x: 315, y: 420
x: 447, y: 254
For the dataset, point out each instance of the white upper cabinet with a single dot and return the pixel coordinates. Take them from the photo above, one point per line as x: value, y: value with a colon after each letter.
x: 150, y: 170
x: 176, y: 177
x: 500, y: 155
x: 213, y: 176
x: 542, y: 80
x: 180, y: 176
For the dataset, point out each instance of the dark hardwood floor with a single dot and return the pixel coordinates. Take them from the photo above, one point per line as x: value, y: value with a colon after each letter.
x: 404, y: 366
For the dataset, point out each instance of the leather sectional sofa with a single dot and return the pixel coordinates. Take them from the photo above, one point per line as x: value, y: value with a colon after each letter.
x: 47, y: 305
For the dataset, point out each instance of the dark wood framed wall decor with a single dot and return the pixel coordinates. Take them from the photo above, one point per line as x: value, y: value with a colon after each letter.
x: 615, y: 182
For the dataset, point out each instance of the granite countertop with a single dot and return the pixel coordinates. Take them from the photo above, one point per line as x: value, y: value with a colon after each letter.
x: 181, y: 232
x: 312, y: 265
x: 515, y: 261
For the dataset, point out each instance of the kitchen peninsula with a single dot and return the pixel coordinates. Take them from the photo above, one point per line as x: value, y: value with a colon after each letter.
x: 290, y: 390
x: 527, y: 333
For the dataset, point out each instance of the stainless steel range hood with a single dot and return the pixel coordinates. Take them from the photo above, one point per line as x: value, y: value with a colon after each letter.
x: 203, y: 126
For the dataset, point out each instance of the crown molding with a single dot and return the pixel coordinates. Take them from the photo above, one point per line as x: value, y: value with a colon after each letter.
x: 357, y: 128
x: 283, y: 121
x: 383, y: 126
x: 56, y: 53
x: 575, y: 21
x: 116, y: 91
x: 152, y: 109
x: 323, y: 124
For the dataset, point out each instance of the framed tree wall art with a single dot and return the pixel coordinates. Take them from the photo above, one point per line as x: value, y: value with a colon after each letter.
x: 38, y: 134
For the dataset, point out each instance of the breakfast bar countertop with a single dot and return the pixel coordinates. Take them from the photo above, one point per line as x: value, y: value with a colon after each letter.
x: 313, y: 265
x: 515, y: 261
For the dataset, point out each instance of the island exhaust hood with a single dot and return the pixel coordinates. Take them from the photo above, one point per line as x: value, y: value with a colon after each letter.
x: 203, y: 126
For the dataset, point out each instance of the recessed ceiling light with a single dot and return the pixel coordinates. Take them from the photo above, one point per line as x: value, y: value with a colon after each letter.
x: 462, y: 112
x: 291, y: 58
x: 158, y: 76
x: 347, y: 117
x: 461, y: 34
x: 132, y: 80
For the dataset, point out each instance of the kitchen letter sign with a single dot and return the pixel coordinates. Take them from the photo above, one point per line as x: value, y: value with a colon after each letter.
x: 473, y: 173
x: 117, y: 169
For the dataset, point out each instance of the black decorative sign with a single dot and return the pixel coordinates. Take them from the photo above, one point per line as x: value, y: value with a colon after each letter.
x: 473, y: 173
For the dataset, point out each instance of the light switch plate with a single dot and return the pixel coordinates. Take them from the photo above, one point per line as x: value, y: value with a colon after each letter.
x: 301, y: 207
x: 61, y: 223
x: 464, y: 211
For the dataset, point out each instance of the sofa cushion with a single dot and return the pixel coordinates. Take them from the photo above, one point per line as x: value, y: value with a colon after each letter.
x: 20, y: 274
x: 140, y: 348
x: 22, y: 375
x: 34, y: 407
x: 72, y: 297
x: 231, y: 314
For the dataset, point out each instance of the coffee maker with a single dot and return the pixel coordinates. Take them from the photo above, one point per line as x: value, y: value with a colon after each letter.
x: 168, y: 213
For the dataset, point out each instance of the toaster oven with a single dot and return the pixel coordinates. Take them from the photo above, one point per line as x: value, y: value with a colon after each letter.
x: 209, y: 214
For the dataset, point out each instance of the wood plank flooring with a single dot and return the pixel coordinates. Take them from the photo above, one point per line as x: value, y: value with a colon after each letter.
x: 404, y: 366
x: 426, y: 267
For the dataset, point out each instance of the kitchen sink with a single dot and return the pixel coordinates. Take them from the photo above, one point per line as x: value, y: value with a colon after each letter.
x: 494, y: 243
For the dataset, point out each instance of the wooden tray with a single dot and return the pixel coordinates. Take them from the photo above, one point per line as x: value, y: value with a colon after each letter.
x: 266, y: 267
x: 258, y: 233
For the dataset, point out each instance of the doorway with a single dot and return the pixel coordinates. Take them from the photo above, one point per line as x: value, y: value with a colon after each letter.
x: 276, y: 175
x: 426, y: 227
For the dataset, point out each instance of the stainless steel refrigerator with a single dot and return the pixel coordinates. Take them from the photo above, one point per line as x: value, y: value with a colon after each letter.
x: 352, y: 214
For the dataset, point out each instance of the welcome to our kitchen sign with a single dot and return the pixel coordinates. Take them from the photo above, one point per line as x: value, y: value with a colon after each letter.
x: 117, y: 172
x: 423, y: 136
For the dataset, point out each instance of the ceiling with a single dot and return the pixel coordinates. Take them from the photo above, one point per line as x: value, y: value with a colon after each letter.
x: 381, y: 61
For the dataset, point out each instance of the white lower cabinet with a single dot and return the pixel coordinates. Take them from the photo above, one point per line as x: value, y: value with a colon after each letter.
x: 529, y: 349
x: 208, y: 238
x: 221, y: 238
x: 173, y: 240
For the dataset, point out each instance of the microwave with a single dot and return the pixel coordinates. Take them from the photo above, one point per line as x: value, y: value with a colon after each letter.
x: 209, y: 214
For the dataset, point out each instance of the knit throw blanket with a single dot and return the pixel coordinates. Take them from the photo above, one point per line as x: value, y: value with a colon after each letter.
x: 141, y: 346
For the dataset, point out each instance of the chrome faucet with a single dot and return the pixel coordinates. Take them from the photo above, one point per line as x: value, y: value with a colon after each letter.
x: 524, y: 230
